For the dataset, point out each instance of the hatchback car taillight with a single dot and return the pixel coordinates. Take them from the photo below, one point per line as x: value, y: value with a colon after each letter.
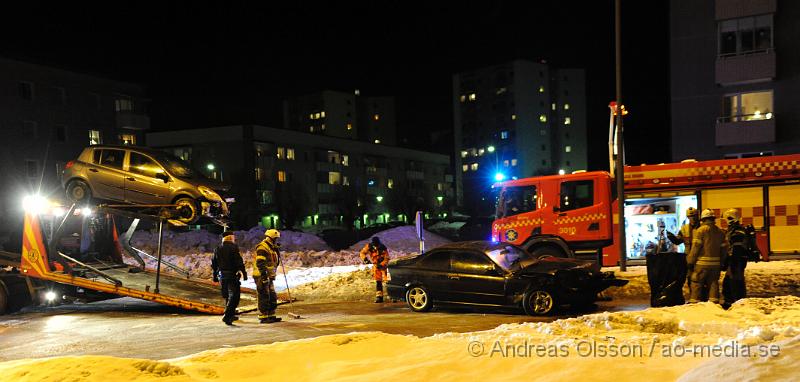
x: 69, y: 165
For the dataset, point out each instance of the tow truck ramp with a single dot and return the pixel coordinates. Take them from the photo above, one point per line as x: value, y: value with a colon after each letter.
x: 85, y: 251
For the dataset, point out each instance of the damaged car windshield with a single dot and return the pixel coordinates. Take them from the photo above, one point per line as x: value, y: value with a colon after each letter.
x: 510, y: 258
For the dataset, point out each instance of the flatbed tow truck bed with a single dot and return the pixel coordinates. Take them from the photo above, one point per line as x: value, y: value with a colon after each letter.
x: 41, y: 260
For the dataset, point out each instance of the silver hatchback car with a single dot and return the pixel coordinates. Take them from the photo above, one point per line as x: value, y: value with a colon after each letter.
x: 142, y: 176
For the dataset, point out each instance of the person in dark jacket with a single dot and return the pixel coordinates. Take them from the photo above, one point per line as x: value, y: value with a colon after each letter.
x: 228, y: 266
x: 741, y: 248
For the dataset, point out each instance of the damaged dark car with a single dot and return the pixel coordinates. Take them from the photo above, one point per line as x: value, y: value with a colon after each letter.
x: 484, y: 273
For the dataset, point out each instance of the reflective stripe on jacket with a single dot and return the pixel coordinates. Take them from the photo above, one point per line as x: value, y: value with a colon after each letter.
x: 266, y: 260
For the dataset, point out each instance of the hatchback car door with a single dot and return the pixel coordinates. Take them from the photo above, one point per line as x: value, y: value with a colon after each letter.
x: 146, y: 181
x: 475, y: 279
x: 105, y: 175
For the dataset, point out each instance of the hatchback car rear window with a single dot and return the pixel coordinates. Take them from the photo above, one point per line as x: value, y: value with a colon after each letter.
x: 112, y: 158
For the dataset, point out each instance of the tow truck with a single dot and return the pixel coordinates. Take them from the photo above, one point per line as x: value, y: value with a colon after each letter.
x: 575, y: 215
x: 77, y: 253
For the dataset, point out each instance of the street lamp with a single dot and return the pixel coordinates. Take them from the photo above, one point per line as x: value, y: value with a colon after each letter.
x: 490, y: 149
x: 210, y: 167
x: 379, y: 198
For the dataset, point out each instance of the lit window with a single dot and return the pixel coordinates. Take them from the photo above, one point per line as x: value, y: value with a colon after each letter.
x: 390, y: 183
x: 474, y: 167
x: 377, y: 141
x: 542, y: 132
x: 349, y: 126
x: 290, y: 154
x: 473, y: 97
x: 513, y: 162
x: 566, y: 106
x: 322, y: 127
x: 345, y: 181
x: 567, y: 120
x: 280, y: 152
x: 542, y: 118
x: 322, y: 114
x: 94, y: 137
x: 311, y: 129
x: 259, y: 173
x: 568, y: 149
x: 501, y: 91
x: 376, y: 117
x: 473, y: 152
x: 311, y: 116
x: 480, y: 151
x: 541, y: 89
x: 464, y: 168
x: 464, y: 153
x: 505, y: 163
x: 345, y: 160
x: 334, y: 178
x: 371, y: 182
x: 127, y: 139
x: 463, y: 98
x: 748, y: 106
x: 553, y: 106
x: 281, y: 176
x: 439, y: 187
x: 513, y: 117
x: 316, y: 115
x: 504, y: 134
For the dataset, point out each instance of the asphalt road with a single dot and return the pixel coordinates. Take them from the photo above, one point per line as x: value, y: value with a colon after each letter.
x: 127, y: 327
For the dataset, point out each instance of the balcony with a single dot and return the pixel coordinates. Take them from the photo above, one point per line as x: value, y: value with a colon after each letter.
x: 132, y: 120
x: 747, y: 67
x: 741, y: 130
x: 731, y: 9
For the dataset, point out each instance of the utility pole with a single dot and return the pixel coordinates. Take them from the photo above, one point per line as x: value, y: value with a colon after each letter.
x: 620, y: 160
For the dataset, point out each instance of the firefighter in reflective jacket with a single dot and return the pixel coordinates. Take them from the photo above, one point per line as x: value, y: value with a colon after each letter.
x: 264, y: 270
x: 375, y: 253
x: 684, y: 237
x: 741, y: 248
x: 708, y: 251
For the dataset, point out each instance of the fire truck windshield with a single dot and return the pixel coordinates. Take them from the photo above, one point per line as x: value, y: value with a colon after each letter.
x: 516, y: 200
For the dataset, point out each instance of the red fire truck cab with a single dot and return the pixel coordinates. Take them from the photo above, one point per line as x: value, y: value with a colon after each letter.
x: 575, y: 215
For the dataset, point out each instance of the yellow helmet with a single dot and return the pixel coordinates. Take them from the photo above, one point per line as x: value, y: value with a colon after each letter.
x: 272, y: 234
x: 691, y: 212
x: 707, y: 214
x: 731, y: 215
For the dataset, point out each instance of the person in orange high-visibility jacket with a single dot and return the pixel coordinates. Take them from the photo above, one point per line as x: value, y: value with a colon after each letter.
x: 375, y: 253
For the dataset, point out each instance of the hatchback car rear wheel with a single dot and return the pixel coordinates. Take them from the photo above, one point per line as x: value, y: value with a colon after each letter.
x: 79, y: 192
x: 188, y: 210
x: 539, y: 302
x: 418, y: 299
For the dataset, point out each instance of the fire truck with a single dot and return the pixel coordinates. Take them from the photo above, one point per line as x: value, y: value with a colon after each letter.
x: 575, y: 215
x: 77, y: 254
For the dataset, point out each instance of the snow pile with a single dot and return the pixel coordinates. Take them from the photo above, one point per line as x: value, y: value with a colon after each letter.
x: 200, y: 241
x: 647, y: 344
x: 766, y: 278
x: 298, y: 276
x: 403, y: 239
x: 347, y: 286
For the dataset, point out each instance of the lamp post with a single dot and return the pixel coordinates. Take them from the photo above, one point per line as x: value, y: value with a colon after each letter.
x: 620, y: 160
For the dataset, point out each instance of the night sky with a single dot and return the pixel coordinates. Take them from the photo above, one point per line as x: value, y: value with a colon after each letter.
x: 207, y: 65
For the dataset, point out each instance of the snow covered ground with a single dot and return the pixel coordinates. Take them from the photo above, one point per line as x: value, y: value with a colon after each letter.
x: 299, y: 276
x: 757, y: 339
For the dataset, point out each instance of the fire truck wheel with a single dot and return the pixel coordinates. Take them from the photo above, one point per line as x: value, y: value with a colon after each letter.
x: 539, y: 302
x: 541, y: 252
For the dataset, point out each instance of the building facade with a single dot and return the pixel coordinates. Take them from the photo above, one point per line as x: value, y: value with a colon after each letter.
x: 343, y: 115
x: 514, y: 120
x: 299, y: 179
x: 48, y: 115
x: 735, y: 74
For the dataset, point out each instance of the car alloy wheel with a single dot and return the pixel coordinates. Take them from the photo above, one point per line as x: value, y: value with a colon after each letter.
x: 539, y: 303
x: 187, y: 208
x: 418, y: 299
x: 79, y: 192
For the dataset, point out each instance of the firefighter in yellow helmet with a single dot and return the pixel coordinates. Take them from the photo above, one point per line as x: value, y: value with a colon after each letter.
x: 375, y: 253
x: 684, y: 237
x: 265, y: 267
x: 708, y: 251
x: 741, y: 248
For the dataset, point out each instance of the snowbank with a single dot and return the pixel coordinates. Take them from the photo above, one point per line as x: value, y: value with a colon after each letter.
x: 403, y: 239
x: 647, y: 344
